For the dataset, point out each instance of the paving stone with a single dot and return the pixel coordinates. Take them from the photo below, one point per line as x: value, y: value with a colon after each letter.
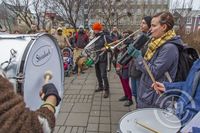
x: 92, y: 127
x: 114, y: 128
x: 105, y: 108
x: 56, y: 129
x: 77, y: 119
x: 115, y: 97
x: 66, y: 107
x: 104, y: 127
x: 74, y: 130
x: 81, y: 107
x: 79, y: 81
x: 87, y: 91
x: 61, y: 118
x: 105, y: 103
x: 70, y: 91
x: 93, y: 120
x: 118, y: 106
x: 95, y: 108
x: 105, y: 120
x: 68, y: 129
x: 96, y: 103
x: 105, y: 113
x: 62, y: 129
x: 95, y: 113
x: 116, y: 116
x: 74, y: 87
x: 81, y: 130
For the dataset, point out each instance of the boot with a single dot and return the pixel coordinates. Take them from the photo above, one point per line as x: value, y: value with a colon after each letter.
x: 128, y: 103
x: 99, y: 89
x: 124, y: 98
x: 106, y: 94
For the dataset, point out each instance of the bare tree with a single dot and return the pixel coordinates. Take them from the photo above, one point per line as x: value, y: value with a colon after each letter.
x: 21, y: 8
x: 40, y: 8
x: 69, y: 10
x: 110, y: 11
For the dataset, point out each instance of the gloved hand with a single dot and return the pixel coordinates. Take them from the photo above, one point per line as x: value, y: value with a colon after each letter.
x: 50, y: 89
x: 132, y: 51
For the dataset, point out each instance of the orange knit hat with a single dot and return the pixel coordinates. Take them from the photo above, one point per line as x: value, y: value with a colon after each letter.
x: 97, y: 26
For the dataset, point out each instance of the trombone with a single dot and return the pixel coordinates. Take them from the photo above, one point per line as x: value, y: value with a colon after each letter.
x: 113, y: 45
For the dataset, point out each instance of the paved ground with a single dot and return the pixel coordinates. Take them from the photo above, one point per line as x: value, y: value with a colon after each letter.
x: 83, y: 111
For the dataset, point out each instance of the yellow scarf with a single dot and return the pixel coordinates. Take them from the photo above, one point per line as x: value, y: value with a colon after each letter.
x: 156, y: 43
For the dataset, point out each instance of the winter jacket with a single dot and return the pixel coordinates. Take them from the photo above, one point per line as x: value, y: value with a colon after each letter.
x: 100, y: 43
x: 164, y: 60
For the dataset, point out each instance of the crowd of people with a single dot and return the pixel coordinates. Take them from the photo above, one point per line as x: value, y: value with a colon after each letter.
x: 146, y: 71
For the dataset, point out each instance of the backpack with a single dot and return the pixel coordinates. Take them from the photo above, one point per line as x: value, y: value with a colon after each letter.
x: 187, y: 55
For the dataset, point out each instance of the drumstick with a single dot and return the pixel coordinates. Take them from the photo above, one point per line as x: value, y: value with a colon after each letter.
x: 47, y: 76
x: 150, y: 73
x: 146, y: 127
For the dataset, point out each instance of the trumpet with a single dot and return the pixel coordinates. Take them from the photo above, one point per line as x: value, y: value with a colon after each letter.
x: 141, y: 41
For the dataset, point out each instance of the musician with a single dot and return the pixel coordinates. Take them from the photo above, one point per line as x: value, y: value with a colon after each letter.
x: 15, y: 117
x: 134, y: 73
x: 186, y: 108
x: 101, y: 65
x: 122, y: 71
x: 161, y: 57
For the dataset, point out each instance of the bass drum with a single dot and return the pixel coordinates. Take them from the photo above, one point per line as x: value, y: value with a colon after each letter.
x: 25, y: 59
x: 149, y: 120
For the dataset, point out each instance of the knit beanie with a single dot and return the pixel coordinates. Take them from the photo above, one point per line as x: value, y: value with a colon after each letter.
x: 97, y: 26
x: 148, y: 20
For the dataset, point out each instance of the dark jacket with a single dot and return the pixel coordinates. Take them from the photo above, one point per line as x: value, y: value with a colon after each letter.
x: 100, y: 43
x: 81, y: 40
x: 164, y: 60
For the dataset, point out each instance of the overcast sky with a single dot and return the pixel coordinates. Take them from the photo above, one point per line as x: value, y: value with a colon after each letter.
x: 195, y: 5
x: 173, y: 4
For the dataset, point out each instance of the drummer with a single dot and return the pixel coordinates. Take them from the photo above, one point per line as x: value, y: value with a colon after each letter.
x: 15, y: 117
x: 186, y: 108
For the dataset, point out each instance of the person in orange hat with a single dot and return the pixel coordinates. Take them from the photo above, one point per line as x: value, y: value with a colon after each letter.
x: 101, y: 65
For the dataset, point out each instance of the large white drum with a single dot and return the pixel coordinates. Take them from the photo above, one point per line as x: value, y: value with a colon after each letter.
x: 25, y: 59
x: 149, y: 121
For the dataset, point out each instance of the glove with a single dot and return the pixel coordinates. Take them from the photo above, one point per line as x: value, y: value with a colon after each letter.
x: 132, y: 51
x: 50, y: 89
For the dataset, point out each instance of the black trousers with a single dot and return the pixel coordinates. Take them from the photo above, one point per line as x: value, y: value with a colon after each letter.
x: 101, y: 74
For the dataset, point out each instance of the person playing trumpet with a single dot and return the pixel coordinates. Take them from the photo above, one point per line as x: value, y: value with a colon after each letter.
x: 101, y: 65
x: 161, y: 56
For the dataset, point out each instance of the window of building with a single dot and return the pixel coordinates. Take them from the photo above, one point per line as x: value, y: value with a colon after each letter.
x: 187, y: 30
x: 189, y: 20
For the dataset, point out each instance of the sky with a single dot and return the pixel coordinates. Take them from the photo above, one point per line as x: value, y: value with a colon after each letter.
x: 195, y: 5
x: 173, y: 3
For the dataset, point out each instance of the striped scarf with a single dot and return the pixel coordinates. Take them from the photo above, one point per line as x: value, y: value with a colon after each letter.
x: 156, y: 43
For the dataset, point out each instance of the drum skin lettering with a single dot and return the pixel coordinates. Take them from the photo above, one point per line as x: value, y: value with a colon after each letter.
x: 42, y: 55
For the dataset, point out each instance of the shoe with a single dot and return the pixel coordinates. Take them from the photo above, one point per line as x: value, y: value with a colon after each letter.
x: 82, y: 72
x: 128, y: 103
x: 124, y: 98
x: 99, y: 89
x: 106, y: 94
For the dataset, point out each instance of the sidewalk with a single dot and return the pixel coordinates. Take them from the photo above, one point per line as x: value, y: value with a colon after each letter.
x: 83, y: 111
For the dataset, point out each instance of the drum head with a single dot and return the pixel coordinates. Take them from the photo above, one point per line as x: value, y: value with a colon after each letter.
x: 43, y: 55
x: 157, y: 119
